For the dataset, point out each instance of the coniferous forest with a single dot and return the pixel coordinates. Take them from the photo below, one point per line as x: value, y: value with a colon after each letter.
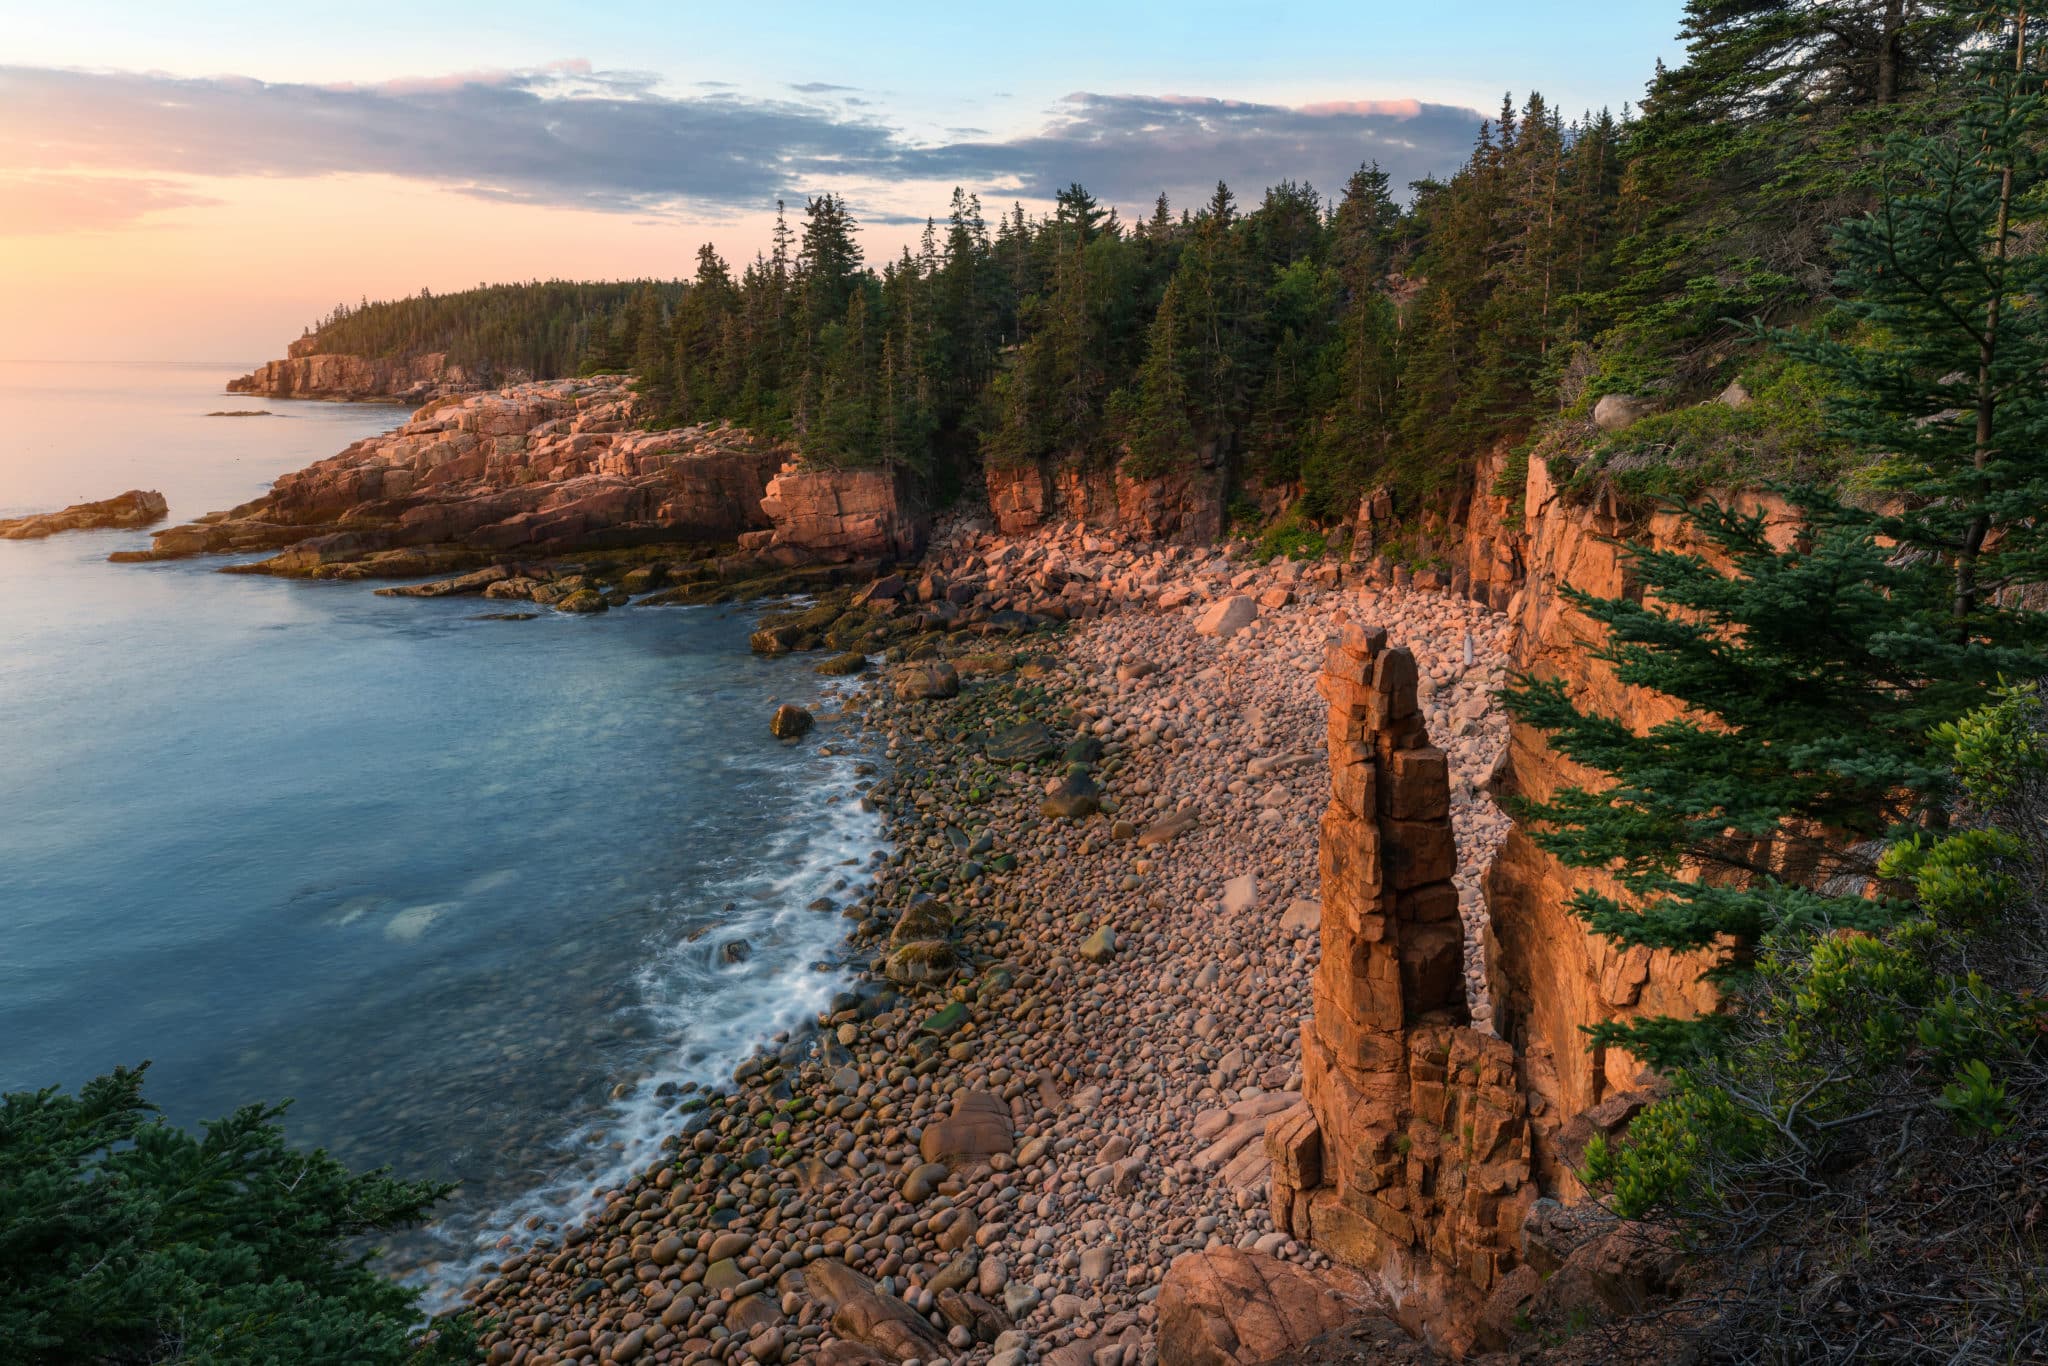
x: 541, y: 329
x: 1832, y: 215
x: 1337, y: 337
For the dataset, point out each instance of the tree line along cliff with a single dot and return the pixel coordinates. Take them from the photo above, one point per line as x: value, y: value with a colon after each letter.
x: 1324, y: 344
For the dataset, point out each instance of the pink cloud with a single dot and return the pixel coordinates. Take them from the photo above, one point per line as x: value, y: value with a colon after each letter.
x: 32, y: 204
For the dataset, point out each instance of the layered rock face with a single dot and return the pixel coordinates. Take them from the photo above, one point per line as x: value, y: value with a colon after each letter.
x: 840, y: 515
x: 1185, y: 506
x: 305, y: 373
x: 535, y: 469
x: 1410, y: 1159
x: 123, y: 512
x: 1551, y: 977
x: 1489, y: 562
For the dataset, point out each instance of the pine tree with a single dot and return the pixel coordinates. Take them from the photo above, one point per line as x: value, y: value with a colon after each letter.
x: 1812, y: 675
x: 1943, y: 372
x: 1159, y: 432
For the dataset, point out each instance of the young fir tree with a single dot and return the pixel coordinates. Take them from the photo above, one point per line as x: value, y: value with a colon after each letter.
x: 1812, y: 673
x: 1943, y: 371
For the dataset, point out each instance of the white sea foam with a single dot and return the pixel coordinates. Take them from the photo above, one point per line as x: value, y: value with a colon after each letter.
x: 709, y: 1014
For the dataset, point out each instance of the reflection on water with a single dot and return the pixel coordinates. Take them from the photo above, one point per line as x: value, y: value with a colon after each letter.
x: 448, y: 882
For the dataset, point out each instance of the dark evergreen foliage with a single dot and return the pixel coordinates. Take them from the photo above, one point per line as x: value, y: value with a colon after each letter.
x: 125, y: 1239
x: 1849, y: 810
x: 1338, y: 344
x: 540, y: 330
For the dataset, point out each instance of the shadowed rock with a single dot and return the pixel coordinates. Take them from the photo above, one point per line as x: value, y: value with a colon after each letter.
x: 1230, y: 1307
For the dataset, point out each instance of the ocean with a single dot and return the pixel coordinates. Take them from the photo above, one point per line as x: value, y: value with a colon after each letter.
x: 470, y: 893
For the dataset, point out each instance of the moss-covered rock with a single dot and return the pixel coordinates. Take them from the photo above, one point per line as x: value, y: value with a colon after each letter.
x: 924, y: 960
x: 839, y: 666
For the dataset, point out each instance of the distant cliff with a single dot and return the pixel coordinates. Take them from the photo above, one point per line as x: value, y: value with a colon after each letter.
x: 428, y: 346
x: 307, y: 372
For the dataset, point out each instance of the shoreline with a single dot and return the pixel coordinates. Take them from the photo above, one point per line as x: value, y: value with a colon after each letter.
x: 1019, y: 1148
x: 840, y: 843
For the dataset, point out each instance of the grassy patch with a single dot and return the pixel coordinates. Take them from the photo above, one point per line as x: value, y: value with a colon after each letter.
x: 1292, y: 535
x: 1779, y: 435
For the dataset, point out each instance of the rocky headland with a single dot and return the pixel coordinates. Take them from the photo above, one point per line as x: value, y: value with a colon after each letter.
x: 524, y: 475
x: 307, y: 373
x: 123, y: 512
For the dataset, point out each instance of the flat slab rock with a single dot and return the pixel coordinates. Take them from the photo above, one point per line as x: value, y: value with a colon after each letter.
x: 1229, y: 1307
x: 1243, y: 1124
x: 979, y: 1128
x: 1226, y: 617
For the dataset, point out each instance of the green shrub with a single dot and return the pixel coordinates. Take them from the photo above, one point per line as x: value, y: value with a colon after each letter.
x: 1290, y: 535
x: 1876, y: 1116
x: 125, y: 1239
x: 1779, y: 436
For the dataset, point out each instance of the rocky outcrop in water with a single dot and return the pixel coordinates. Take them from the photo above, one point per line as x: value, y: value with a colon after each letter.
x: 123, y: 512
x: 308, y: 373
x: 533, y: 470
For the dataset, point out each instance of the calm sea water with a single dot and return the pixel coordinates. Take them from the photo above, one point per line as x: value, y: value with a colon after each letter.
x: 449, y: 883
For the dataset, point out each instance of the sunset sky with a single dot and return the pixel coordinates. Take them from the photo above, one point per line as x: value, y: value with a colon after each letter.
x: 198, y: 180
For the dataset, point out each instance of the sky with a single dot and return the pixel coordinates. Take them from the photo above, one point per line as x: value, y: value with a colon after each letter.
x: 199, y: 180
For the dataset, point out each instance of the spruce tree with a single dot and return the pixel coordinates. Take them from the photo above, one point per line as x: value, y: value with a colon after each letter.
x: 1942, y: 371
x: 1812, y: 673
x: 126, y: 1239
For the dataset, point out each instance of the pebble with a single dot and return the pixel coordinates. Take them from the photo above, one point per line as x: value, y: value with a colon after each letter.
x: 1134, y: 961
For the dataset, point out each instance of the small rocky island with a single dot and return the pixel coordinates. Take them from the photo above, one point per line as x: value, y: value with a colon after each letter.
x: 123, y: 512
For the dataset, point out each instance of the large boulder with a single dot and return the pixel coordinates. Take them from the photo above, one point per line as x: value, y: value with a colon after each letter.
x: 1225, y: 617
x: 790, y: 722
x: 1618, y: 412
x: 1075, y: 798
x: 862, y: 1312
x: 929, y: 918
x: 1229, y: 1307
x: 920, y: 960
x: 928, y: 681
x: 978, y: 1129
x: 1021, y: 744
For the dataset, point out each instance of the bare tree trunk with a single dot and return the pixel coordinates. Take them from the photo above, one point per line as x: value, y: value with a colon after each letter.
x: 1888, y: 45
x: 1980, y: 525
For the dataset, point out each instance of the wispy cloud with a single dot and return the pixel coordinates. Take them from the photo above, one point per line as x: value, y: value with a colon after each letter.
x: 101, y: 146
x: 34, y: 203
x: 1127, y: 148
x: 556, y: 135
